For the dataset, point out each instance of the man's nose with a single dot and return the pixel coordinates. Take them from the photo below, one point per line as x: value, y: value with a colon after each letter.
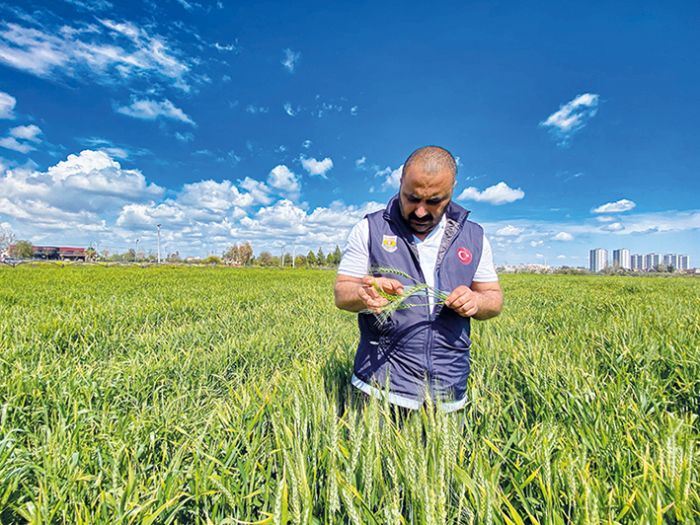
x: 421, y: 212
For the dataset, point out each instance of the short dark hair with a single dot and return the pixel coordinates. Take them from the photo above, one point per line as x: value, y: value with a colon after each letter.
x: 431, y: 159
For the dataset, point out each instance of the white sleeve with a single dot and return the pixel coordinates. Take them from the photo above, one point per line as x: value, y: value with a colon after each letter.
x: 486, y: 272
x: 355, y: 259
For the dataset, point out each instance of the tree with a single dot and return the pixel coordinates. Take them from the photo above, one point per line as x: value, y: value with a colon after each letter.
x: 90, y: 254
x: 173, y: 257
x: 264, y: 259
x: 299, y: 261
x: 130, y: 255
x: 311, y: 258
x: 212, y: 259
x: 334, y: 257
x: 239, y: 254
x: 22, y: 250
x: 7, y: 237
x: 232, y: 255
x: 246, y: 253
x: 320, y: 257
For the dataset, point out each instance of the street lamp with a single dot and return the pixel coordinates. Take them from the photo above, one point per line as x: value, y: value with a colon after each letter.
x: 158, y: 225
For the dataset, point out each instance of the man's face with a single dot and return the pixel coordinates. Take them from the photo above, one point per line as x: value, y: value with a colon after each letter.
x: 424, y: 198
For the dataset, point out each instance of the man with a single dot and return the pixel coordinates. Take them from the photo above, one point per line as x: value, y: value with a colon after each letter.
x: 423, y: 349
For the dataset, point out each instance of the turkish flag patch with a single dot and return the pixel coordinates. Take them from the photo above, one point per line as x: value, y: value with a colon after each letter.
x: 464, y: 255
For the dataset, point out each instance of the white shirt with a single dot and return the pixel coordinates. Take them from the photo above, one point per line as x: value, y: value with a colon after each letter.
x: 355, y: 260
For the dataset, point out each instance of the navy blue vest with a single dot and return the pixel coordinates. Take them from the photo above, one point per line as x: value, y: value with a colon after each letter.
x: 417, y: 351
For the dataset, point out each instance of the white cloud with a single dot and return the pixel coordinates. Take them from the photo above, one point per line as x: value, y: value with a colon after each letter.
x: 605, y: 218
x: 361, y: 161
x: 615, y: 207
x: 283, y: 179
x: 498, y: 194
x: 148, y: 109
x: 15, y: 145
x: 563, y: 236
x: 30, y: 132
x: 107, y: 51
x: 536, y: 243
x: 354, y: 110
x: 291, y: 59
x: 392, y: 178
x: 7, y: 105
x: 509, y: 231
x: 572, y: 116
x: 254, y: 110
x: 22, y: 139
x: 613, y: 227
x: 306, y: 144
x: 317, y: 167
x: 290, y: 110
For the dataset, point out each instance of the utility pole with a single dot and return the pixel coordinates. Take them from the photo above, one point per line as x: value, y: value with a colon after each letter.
x: 158, y: 225
x: 294, y: 254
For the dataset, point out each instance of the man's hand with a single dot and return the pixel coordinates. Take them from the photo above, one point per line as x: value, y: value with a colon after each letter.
x: 481, y: 301
x: 356, y: 294
x: 463, y: 301
x: 371, y: 297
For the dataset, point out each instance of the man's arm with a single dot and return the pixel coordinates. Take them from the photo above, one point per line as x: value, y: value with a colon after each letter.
x: 482, y: 301
x: 358, y: 293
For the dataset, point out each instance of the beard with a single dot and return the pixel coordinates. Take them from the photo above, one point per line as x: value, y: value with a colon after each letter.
x: 423, y: 224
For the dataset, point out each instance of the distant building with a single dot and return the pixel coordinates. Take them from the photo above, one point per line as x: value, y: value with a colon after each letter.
x: 683, y: 262
x: 621, y: 259
x: 598, y: 259
x: 637, y: 262
x: 651, y: 261
x: 53, y: 253
x: 671, y: 260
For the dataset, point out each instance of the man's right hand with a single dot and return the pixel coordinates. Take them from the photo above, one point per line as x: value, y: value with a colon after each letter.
x: 371, y: 297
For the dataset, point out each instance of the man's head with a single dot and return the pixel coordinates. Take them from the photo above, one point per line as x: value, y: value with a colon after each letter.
x: 427, y: 181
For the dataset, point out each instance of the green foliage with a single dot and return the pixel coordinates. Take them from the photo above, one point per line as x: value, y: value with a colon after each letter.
x: 22, y: 250
x: 216, y: 395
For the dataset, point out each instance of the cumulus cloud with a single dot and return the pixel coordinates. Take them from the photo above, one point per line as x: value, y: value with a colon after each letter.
x: 571, y: 117
x: 7, y: 105
x: 72, y: 195
x: 254, y: 110
x: 283, y: 179
x: 620, y: 206
x: 290, y: 59
x: 107, y: 51
x: 317, y: 167
x: 361, y: 161
x: 497, y: 194
x: 563, y: 236
x: 147, y: 109
x: 509, y: 231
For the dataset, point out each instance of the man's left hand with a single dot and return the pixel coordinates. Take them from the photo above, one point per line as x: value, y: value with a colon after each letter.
x: 464, y: 301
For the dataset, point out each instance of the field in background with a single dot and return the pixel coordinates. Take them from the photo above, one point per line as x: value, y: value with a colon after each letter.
x: 205, y: 395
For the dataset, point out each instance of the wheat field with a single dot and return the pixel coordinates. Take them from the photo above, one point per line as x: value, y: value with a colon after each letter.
x: 222, y: 396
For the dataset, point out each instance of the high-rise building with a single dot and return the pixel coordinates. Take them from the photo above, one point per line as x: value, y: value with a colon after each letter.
x: 651, y: 261
x: 683, y: 262
x: 671, y: 260
x: 598, y: 259
x: 637, y: 262
x: 621, y: 259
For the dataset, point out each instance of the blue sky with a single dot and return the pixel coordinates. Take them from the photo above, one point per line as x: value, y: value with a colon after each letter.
x: 284, y: 123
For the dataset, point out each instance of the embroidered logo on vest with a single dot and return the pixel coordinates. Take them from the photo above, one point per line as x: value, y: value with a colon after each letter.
x: 464, y: 256
x: 389, y: 243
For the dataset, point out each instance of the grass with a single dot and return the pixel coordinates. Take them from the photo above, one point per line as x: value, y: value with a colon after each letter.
x: 205, y: 395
